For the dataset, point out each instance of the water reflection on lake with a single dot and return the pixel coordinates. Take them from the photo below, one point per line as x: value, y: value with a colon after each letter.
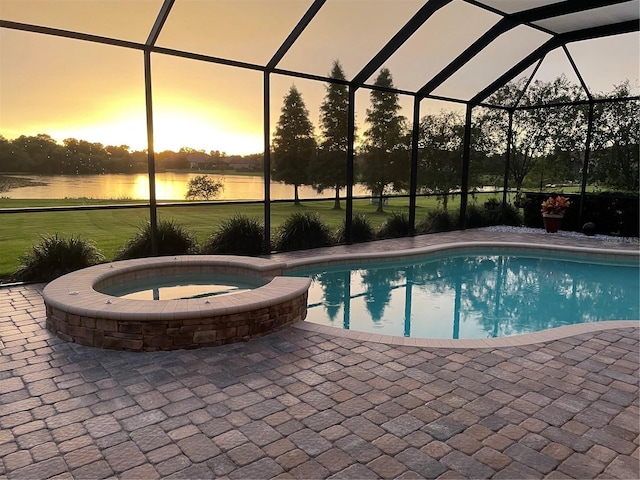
x: 169, y: 186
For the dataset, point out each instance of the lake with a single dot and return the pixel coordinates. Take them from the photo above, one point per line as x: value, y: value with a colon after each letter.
x: 169, y: 186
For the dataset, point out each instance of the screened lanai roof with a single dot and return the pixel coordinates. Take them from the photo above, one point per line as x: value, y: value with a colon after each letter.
x: 459, y: 50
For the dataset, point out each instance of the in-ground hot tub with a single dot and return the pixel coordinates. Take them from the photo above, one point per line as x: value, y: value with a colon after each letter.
x: 79, y: 311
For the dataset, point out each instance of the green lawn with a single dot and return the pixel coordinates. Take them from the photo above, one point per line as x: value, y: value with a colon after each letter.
x: 109, y: 229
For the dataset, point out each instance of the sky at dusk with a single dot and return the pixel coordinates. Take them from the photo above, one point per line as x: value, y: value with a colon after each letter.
x: 74, y: 89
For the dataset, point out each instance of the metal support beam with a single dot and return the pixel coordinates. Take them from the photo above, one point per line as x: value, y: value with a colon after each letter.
x: 466, y: 158
x: 295, y: 33
x: 507, y: 161
x: 151, y: 162
x: 476, y: 47
x: 267, y: 162
x: 351, y: 134
x: 577, y: 72
x: 421, y: 16
x: 159, y: 23
x: 553, y: 43
x: 153, y: 204
x: 585, y: 165
x: 57, y: 32
x: 526, y: 86
x: 413, y: 182
x: 504, y: 25
x: 564, y: 104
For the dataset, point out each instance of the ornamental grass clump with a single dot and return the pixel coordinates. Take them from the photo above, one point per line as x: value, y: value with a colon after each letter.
x: 397, y: 225
x: 439, y: 220
x: 172, y: 239
x: 301, y: 231
x: 238, y: 235
x: 361, y: 230
x: 55, y: 256
x: 492, y: 213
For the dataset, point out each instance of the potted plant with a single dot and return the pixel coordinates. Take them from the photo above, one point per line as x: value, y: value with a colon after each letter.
x: 553, y: 211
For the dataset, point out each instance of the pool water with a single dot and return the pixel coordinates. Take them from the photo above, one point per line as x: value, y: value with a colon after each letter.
x: 183, y: 286
x: 473, y: 295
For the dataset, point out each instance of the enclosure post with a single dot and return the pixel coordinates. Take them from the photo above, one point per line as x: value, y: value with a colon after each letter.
x: 466, y: 155
x: 351, y: 133
x: 585, y: 166
x: 267, y: 164
x: 151, y: 161
x: 507, y: 161
x: 413, y: 186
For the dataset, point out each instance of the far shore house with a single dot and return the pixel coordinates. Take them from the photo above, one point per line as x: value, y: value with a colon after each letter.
x: 202, y: 161
x: 247, y: 163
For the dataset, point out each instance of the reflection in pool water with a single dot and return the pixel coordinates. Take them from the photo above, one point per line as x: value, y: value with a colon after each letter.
x: 182, y: 286
x: 473, y: 295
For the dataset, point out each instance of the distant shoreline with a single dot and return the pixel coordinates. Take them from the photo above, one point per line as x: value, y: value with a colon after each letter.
x: 9, y: 183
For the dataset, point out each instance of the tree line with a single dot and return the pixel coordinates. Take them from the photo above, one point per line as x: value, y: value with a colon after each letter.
x: 41, y: 154
x: 547, y: 144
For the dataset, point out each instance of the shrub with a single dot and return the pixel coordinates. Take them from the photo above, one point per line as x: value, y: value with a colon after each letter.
x: 477, y: 216
x: 173, y: 239
x: 397, y: 225
x: 301, y: 231
x: 512, y: 216
x: 361, y: 230
x: 439, y: 221
x: 492, y: 214
x: 239, y: 235
x: 614, y: 213
x: 492, y: 204
x: 55, y: 256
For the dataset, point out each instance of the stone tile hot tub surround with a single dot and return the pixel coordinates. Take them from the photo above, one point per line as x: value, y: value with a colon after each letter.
x: 78, y: 312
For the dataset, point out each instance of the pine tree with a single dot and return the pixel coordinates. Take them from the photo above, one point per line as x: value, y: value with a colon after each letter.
x: 294, y: 146
x: 385, y: 149
x: 330, y: 168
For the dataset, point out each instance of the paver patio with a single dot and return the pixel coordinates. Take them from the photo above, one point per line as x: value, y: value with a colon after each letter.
x: 299, y: 404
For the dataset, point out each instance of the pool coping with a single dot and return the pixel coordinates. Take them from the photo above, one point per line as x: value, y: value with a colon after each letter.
x: 78, y: 311
x: 76, y: 292
x: 498, y: 245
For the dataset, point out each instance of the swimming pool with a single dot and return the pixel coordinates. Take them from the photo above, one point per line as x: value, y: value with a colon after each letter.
x: 473, y: 294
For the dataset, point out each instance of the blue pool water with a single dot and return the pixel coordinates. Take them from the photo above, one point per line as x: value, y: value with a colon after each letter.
x: 473, y: 295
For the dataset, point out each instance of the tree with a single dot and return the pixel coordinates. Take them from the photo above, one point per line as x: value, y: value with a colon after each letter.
x: 203, y: 186
x: 82, y: 156
x: 330, y: 168
x: 537, y: 132
x: 616, y: 137
x: 12, y: 157
x: 294, y: 145
x: 386, y: 143
x: 440, y: 153
x: 37, y: 153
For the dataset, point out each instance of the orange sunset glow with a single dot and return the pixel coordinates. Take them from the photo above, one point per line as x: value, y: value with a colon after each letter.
x: 76, y: 89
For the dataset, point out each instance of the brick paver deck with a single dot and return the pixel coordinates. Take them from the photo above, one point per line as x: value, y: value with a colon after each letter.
x: 298, y: 404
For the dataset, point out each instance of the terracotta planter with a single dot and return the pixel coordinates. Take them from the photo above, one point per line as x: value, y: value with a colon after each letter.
x: 552, y: 222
